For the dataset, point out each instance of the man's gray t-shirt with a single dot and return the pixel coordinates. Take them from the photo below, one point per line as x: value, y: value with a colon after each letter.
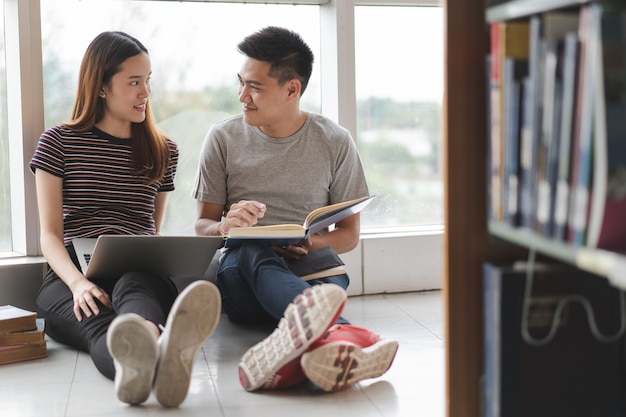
x: 317, y: 166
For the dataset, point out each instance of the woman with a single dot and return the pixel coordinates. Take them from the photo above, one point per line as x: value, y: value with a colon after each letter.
x: 107, y: 171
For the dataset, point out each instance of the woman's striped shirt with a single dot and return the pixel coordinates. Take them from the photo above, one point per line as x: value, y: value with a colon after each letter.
x: 101, y: 194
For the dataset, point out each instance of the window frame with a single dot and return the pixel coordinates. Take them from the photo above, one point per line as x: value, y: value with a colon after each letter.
x: 22, y: 25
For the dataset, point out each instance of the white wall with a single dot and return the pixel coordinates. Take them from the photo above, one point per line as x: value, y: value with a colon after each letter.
x: 390, y: 263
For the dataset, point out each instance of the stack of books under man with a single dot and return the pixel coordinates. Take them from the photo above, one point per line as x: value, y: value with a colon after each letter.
x: 21, y: 335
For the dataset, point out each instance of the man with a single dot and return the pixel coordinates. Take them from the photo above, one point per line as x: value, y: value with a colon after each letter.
x: 274, y: 164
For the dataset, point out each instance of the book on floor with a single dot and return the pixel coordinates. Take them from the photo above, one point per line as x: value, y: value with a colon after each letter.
x: 20, y: 353
x: 295, y: 234
x: 24, y: 337
x: 15, y: 319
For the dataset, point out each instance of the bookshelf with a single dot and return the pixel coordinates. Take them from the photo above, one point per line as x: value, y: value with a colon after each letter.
x: 470, y: 239
x: 519, y: 8
x: 600, y: 262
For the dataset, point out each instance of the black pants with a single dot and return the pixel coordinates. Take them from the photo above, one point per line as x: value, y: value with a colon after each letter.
x: 134, y: 292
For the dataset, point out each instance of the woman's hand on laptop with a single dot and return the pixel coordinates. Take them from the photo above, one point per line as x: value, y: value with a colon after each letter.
x: 85, y: 294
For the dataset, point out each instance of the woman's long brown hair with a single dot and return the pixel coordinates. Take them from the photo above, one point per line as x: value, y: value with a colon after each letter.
x: 102, y: 60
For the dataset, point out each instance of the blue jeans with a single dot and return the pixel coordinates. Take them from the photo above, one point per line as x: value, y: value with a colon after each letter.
x: 257, y: 286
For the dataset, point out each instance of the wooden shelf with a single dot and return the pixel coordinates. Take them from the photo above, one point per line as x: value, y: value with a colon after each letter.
x: 469, y: 239
x: 600, y: 262
x: 521, y: 8
x: 528, y: 238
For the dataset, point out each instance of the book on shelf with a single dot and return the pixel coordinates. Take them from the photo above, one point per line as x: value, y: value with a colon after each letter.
x: 488, y: 124
x: 538, y: 345
x: 606, y: 228
x: 515, y: 73
x: 548, y: 32
x: 295, y: 234
x: 563, y: 176
x: 319, y: 263
x: 548, y: 149
x: 531, y: 127
x: 581, y: 162
x: 25, y: 336
x: 524, y: 151
x: 509, y: 50
x: 16, y: 319
x: 568, y: 105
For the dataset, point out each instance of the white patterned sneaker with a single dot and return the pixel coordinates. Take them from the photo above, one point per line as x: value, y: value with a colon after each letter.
x: 135, y: 354
x: 191, y: 321
x: 303, y: 323
x: 339, y: 365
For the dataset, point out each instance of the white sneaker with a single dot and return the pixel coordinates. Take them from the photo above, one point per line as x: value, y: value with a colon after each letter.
x: 304, y: 322
x: 135, y: 354
x: 191, y: 321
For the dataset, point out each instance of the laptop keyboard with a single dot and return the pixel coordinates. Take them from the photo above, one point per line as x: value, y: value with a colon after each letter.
x: 87, y: 257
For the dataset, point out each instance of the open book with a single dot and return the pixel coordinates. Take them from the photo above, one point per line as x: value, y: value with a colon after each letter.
x: 295, y: 234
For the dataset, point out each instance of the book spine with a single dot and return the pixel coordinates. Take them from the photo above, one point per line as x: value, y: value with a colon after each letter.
x: 607, y: 218
x: 581, y: 165
x: 491, y: 340
x: 532, y: 128
x: 514, y: 72
x: 568, y: 105
x: 495, y: 93
x: 549, y: 53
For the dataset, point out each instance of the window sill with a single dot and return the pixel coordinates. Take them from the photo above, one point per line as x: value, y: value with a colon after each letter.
x: 401, y: 231
x: 13, y: 258
x: 17, y: 259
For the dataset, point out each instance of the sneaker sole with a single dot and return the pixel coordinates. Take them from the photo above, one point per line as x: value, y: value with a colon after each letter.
x: 305, y: 321
x: 339, y: 365
x: 192, y: 319
x: 135, y: 351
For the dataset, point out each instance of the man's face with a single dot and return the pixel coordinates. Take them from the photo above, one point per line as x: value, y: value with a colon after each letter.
x: 264, y: 101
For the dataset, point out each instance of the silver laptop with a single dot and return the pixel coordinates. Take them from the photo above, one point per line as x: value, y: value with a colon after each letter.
x: 110, y: 256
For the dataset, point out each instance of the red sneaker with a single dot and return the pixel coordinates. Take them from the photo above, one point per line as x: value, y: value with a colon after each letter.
x: 346, y: 355
x: 289, y: 375
x: 275, y: 361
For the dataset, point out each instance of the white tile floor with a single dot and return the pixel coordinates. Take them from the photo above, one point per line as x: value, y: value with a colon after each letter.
x: 68, y: 384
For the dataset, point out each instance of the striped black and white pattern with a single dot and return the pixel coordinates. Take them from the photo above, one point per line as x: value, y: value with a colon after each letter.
x: 101, y: 194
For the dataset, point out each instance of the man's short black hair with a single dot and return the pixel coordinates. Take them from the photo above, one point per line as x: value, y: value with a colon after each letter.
x: 286, y: 52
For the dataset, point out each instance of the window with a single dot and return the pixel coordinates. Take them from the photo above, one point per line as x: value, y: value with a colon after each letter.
x: 193, y: 86
x: 5, y: 185
x: 399, y: 88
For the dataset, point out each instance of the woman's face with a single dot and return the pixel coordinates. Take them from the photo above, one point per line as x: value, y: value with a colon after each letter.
x: 126, y: 95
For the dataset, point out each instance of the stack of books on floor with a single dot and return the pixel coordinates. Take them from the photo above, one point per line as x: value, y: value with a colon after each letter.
x: 21, y: 335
